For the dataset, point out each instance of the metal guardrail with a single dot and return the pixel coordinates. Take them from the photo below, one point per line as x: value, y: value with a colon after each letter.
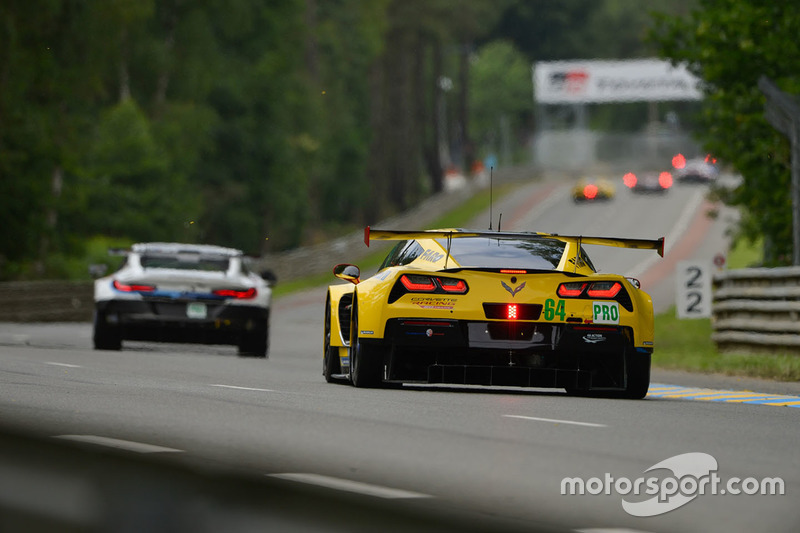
x: 757, y: 309
x: 46, y: 301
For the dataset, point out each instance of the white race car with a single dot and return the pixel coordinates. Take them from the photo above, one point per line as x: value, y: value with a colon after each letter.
x: 170, y: 292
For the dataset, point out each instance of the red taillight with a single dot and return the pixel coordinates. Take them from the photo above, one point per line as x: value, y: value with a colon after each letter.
x: 512, y: 271
x: 679, y: 161
x: 245, y: 294
x: 457, y: 286
x: 132, y: 288
x: 571, y: 290
x: 630, y: 180
x: 604, y: 289
x: 665, y: 180
x: 590, y: 191
x: 417, y: 283
x: 512, y: 312
x: 711, y: 159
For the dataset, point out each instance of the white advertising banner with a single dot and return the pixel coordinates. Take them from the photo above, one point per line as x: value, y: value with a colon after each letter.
x: 593, y: 81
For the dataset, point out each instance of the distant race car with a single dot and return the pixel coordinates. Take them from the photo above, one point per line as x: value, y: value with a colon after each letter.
x: 648, y: 182
x: 491, y: 308
x: 172, y: 292
x: 698, y: 170
x: 589, y: 189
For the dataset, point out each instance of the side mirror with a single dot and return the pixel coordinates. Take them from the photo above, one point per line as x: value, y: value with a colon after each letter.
x: 347, y: 272
x: 269, y: 276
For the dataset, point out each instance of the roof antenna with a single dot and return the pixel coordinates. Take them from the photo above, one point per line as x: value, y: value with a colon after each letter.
x: 499, y: 221
x: 491, y: 179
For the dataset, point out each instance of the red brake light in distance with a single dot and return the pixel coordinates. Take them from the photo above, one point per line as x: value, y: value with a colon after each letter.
x: 416, y: 283
x: 512, y: 312
x: 457, y: 286
x: 630, y: 180
x: 132, y: 288
x: 571, y: 290
x: 245, y: 294
x: 665, y: 180
x: 679, y: 161
x: 512, y: 271
x: 604, y: 289
x: 590, y: 191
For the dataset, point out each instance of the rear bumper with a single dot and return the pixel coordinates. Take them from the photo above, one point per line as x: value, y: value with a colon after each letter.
x: 172, y: 321
x: 525, y: 354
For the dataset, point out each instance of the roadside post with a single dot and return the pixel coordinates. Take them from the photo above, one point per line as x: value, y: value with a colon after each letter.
x: 693, y: 291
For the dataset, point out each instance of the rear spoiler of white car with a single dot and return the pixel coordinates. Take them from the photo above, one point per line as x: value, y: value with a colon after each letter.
x: 396, y: 235
x: 172, y: 248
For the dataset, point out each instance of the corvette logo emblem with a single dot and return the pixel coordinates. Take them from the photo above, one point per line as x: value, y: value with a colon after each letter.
x: 513, y: 292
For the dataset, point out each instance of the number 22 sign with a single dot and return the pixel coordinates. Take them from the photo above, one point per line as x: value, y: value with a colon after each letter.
x: 693, y: 291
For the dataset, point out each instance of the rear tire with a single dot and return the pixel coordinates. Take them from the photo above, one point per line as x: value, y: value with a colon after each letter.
x: 637, y: 368
x: 104, y: 336
x: 255, y: 342
x: 366, y: 362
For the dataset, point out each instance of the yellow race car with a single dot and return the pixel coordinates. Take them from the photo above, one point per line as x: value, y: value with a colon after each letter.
x: 491, y: 308
x: 590, y: 189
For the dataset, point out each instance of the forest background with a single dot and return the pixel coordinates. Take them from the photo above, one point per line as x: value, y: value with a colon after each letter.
x: 270, y: 124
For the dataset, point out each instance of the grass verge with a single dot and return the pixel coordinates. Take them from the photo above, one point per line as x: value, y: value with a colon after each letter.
x: 686, y: 345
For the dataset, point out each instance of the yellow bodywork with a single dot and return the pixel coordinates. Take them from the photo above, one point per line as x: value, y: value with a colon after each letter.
x: 605, y: 189
x: 371, y: 295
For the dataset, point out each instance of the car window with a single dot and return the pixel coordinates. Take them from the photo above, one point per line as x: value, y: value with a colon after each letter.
x: 403, y: 253
x: 185, y: 262
x: 411, y: 251
x: 538, y: 254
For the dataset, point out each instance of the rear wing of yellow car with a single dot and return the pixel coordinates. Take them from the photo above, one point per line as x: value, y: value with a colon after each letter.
x: 397, y: 235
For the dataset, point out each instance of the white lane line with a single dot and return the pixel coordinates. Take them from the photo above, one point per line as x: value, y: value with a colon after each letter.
x: 139, y: 447
x: 350, y: 486
x: 557, y: 421
x: 65, y: 365
x: 241, y: 388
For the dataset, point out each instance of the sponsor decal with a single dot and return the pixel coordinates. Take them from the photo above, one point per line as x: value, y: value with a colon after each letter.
x: 513, y: 292
x: 431, y: 256
x: 594, y: 338
x: 430, y: 302
x: 671, y: 484
x: 367, y: 332
x: 553, y: 309
x: 605, y: 312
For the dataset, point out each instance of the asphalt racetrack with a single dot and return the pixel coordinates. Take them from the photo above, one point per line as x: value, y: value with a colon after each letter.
x: 484, y: 454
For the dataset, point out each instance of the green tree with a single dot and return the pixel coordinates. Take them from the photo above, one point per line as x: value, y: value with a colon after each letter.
x: 729, y: 44
x: 501, y: 99
x: 51, y: 81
